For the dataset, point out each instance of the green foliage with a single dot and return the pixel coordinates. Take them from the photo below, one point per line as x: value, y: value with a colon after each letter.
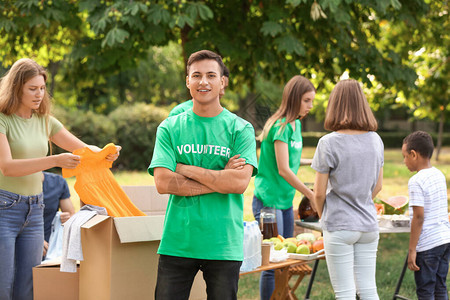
x: 101, y: 53
x: 136, y: 132
x: 310, y: 139
x: 275, y: 38
x: 46, y: 30
x: 91, y: 128
x: 390, y: 139
x: 131, y: 126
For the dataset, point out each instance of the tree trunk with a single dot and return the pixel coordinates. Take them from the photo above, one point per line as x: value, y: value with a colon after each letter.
x: 440, y: 132
x: 53, y: 68
x: 247, y: 108
x: 184, y: 39
x: 304, y: 125
x: 414, y: 125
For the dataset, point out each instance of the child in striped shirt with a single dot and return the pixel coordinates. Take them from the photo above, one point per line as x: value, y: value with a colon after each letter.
x: 429, y: 244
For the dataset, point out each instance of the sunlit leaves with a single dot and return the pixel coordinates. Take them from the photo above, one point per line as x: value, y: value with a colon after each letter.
x: 271, y: 28
x: 115, y: 36
x: 275, y: 39
x: 158, y: 14
x: 194, y: 10
x: 135, y: 8
x: 290, y: 44
x: 296, y: 3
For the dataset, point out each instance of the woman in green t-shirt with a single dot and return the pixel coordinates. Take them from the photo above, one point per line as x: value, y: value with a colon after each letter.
x: 279, y: 161
x: 26, y: 128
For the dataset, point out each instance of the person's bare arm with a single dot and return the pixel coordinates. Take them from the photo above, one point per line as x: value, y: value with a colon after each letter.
x: 235, y: 163
x: 66, y: 140
x: 67, y: 209
x: 228, y: 181
x: 168, y: 182
x: 320, y: 191
x: 379, y: 184
x: 44, y: 251
x: 416, y: 229
x: 22, y: 167
x: 282, y: 157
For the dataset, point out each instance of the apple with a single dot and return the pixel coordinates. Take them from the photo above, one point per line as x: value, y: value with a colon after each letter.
x: 278, y: 246
x: 305, y: 242
x: 302, y: 249
x: 291, y: 247
x: 274, y: 239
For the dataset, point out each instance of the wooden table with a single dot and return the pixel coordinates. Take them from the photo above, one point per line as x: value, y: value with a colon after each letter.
x: 281, y: 276
x: 317, y: 227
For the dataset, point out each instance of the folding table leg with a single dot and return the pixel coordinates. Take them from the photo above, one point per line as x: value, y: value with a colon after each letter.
x: 281, y: 284
x: 400, y: 280
x: 311, y: 280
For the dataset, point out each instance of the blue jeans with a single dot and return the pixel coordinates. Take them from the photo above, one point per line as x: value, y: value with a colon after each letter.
x: 176, y: 275
x: 285, y: 224
x: 431, y: 278
x: 21, y: 243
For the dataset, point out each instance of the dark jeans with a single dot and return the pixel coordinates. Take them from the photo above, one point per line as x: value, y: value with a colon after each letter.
x: 285, y: 224
x: 285, y: 218
x: 430, y: 279
x: 176, y: 275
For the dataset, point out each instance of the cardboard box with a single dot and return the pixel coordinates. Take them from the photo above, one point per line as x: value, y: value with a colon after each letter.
x: 147, y: 199
x: 120, y: 259
x: 51, y: 284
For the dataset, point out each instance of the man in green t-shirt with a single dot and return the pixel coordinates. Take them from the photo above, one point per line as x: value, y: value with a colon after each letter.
x: 182, y: 107
x: 203, y: 228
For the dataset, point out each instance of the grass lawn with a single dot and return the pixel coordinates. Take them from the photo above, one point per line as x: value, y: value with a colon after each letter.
x: 392, y: 248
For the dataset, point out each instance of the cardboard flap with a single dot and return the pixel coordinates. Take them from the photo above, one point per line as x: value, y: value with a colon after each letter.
x: 139, y: 229
x: 94, y: 221
x: 147, y: 198
x: 52, y: 263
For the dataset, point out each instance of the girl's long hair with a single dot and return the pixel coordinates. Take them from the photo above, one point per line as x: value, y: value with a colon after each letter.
x: 290, y: 104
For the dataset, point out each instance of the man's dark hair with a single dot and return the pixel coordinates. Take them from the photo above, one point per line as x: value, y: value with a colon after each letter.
x: 226, y: 72
x: 421, y: 142
x: 206, y: 54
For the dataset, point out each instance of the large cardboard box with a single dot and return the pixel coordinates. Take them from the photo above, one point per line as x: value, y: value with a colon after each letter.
x: 120, y: 260
x: 51, y: 284
x: 147, y: 199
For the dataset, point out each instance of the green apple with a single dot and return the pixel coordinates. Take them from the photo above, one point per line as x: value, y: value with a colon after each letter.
x: 302, y: 249
x: 291, y: 247
x: 278, y: 246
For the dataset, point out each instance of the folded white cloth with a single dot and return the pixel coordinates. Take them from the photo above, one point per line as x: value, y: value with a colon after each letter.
x: 278, y: 255
x: 71, y: 250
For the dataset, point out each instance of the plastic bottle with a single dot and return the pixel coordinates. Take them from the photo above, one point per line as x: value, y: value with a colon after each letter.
x: 245, y: 265
x: 252, y: 246
x: 256, y: 245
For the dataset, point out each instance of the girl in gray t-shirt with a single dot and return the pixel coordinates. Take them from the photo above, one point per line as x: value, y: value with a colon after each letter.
x: 349, y: 171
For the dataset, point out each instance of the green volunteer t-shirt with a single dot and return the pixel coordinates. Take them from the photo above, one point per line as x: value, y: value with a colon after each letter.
x: 206, y: 226
x: 182, y: 107
x: 27, y: 138
x: 272, y: 189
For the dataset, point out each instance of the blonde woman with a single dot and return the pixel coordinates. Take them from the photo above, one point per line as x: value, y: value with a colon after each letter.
x: 349, y: 161
x: 279, y: 161
x: 26, y: 128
